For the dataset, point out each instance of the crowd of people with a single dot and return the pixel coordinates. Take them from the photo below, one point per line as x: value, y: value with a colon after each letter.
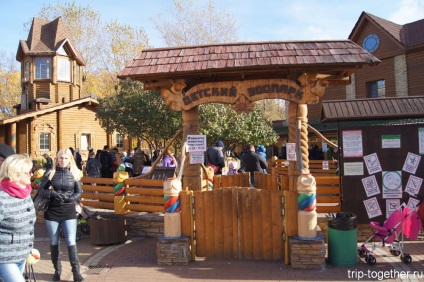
x: 61, y: 184
x: 251, y: 159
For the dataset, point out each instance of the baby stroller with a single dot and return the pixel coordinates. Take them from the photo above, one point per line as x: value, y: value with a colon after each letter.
x: 402, y: 222
x: 83, y: 214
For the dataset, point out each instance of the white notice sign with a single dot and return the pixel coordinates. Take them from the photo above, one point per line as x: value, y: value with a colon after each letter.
x: 291, y: 151
x: 196, y: 143
x: 197, y: 157
x: 352, y: 143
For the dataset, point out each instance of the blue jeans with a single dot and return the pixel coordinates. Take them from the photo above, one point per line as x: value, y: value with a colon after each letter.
x: 69, y: 228
x: 12, y: 271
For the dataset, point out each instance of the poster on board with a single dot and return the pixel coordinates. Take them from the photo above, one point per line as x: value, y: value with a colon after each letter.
x: 370, y: 185
x: 352, y: 143
x: 390, y: 141
x: 413, y: 204
x: 411, y: 163
x: 392, y: 184
x: 421, y: 140
x: 372, y: 207
x: 353, y: 168
x: 372, y: 163
x: 414, y: 185
x: 391, y: 206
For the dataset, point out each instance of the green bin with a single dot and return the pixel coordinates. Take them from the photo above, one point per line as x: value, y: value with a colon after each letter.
x: 342, y: 239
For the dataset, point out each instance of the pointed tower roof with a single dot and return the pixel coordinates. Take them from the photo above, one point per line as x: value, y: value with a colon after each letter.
x: 45, y: 38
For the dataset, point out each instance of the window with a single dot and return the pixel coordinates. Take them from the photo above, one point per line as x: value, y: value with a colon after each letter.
x: 26, y: 71
x: 42, y: 68
x: 376, y: 89
x: 85, y: 141
x: 120, y: 141
x: 45, y: 141
x: 63, y: 69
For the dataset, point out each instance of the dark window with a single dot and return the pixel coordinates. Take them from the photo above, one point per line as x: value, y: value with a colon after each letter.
x: 45, y: 142
x: 376, y: 89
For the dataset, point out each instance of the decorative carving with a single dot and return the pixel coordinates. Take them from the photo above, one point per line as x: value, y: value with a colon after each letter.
x: 307, y: 91
x: 242, y: 105
x: 313, y: 88
x: 173, y: 96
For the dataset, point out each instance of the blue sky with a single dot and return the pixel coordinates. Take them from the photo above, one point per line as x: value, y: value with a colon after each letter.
x: 259, y: 20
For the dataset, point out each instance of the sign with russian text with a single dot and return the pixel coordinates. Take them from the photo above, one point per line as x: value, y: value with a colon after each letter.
x: 196, y: 143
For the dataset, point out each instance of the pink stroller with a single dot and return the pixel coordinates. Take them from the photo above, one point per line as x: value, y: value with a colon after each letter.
x: 401, y: 222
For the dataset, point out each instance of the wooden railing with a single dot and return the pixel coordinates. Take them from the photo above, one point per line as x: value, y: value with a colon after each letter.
x: 143, y: 195
x: 315, y: 167
x: 328, y: 194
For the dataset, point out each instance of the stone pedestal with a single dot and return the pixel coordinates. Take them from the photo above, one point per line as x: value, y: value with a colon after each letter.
x: 173, y: 251
x: 307, y: 254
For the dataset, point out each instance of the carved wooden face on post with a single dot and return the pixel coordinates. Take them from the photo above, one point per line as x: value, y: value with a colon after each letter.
x: 242, y: 94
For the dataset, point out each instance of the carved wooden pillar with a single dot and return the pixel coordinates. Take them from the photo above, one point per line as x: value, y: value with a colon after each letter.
x: 299, y: 172
x: 192, y: 176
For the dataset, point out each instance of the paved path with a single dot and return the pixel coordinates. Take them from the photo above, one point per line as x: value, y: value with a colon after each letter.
x: 136, y: 260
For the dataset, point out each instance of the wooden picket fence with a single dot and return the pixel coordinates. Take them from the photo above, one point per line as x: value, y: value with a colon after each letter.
x: 239, y: 180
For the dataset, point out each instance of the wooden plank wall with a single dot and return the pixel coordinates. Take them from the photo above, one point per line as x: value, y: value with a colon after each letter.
x: 243, y: 223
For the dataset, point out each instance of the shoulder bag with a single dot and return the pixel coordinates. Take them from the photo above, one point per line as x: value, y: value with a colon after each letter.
x: 41, y: 204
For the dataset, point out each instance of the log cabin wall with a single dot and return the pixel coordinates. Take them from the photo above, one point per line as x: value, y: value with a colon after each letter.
x: 88, y: 125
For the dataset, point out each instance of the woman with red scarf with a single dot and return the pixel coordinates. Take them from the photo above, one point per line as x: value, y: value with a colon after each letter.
x: 17, y: 216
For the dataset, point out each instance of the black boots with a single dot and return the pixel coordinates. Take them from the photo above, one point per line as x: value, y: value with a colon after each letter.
x: 54, y: 250
x: 74, y: 260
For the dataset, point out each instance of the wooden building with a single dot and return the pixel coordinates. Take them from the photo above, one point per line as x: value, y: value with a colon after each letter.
x: 400, y: 48
x: 53, y: 113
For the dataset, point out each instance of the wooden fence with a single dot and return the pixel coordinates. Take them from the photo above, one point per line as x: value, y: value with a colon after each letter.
x: 236, y: 222
x: 142, y: 194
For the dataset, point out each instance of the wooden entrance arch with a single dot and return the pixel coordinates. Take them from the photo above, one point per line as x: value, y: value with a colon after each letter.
x: 242, y: 73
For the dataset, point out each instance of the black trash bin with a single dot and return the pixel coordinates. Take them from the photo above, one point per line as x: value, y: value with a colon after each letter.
x: 342, y: 239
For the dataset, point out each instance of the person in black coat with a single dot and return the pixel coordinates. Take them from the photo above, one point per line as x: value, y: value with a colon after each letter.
x: 253, y: 162
x: 65, y: 182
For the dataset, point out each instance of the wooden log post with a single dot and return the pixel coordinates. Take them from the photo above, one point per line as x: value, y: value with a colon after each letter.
x: 192, y: 174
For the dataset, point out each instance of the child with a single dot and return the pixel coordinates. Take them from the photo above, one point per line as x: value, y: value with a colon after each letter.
x: 232, y: 169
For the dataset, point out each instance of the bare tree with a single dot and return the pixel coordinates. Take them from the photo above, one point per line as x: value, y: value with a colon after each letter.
x: 188, y: 24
